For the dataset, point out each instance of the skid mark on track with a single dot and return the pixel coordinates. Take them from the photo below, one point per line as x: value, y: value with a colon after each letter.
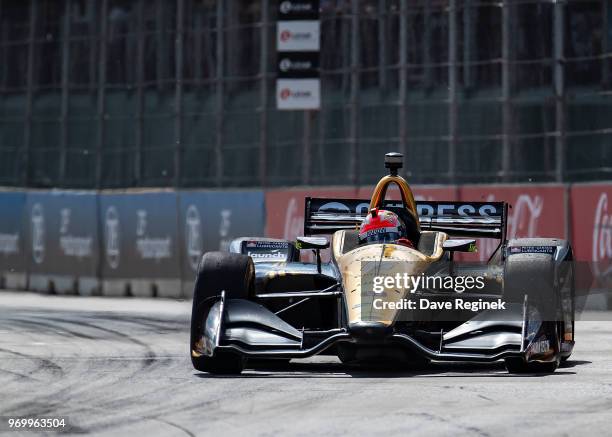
x: 55, y: 327
x: 174, y: 425
x: 43, y: 363
x: 149, y: 357
x: 18, y: 375
x: 428, y: 417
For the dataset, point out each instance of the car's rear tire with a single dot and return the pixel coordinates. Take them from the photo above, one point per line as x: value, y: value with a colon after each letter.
x: 219, y: 271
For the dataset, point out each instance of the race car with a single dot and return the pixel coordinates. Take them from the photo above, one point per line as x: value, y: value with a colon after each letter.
x: 383, y: 296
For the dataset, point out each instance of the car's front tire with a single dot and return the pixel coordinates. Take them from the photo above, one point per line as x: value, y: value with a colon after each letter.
x: 534, y: 276
x: 234, y: 274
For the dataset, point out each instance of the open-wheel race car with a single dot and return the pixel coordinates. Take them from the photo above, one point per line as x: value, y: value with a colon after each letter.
x: 260, y: 302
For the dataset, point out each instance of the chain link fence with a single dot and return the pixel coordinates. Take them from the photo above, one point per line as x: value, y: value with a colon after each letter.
x: 120, y: 93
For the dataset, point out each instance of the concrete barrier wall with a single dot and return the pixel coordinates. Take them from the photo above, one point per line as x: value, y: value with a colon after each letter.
x: 118, y: 243
x: 62, y: 250
x: 148, y: 243
x: 140, y: 255
x: 591, y: 229
x: 210, y: 220
x: 13, y: 266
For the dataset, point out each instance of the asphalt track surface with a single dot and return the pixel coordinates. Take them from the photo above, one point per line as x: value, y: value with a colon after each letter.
x: 121, y: 367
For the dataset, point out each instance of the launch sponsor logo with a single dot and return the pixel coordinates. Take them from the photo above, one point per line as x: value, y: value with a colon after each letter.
x: 267, y: 250
x: 274, y: 255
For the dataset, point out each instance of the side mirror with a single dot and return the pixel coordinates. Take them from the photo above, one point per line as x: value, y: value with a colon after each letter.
x: 460, y: 245
x: 315, y: 243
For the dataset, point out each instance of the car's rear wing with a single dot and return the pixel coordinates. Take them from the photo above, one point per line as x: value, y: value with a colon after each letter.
x: 467, y: 219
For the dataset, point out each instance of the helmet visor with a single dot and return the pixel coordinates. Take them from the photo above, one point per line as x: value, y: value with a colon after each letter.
x: 381, y: 235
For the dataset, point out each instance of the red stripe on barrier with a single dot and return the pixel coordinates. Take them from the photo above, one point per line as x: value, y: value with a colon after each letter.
x: 535, y: 211
x: 591, y: 226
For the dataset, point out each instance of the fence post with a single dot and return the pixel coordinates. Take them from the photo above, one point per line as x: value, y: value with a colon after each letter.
x: 559, y: 69
x: 605, y: 46
x: 160, y: 46
x: 219, y: 96
x: 506, y: 90
x: 263, y: 120
x: 468, y: 42
x: 427, y: 68
x: 4, y: 53
x: 101, y: 92
x: 64, y: 97
x: 403, y: 76
x: 178, y: 91
x: 27, y: 134
x: 452, y: 89
x: 382, y: 45
x: 354, y: 96
x: 307, y: 146
x: 139, y: 92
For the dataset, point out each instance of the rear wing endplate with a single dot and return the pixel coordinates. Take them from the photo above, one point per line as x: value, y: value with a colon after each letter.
x: 467, y: 219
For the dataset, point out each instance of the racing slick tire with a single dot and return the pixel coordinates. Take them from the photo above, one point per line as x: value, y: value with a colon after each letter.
x: 535, y: 275
x: 219, y: 271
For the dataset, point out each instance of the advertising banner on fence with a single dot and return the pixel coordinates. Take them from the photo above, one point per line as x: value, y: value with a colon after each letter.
x: 298, y: 93
x: 535, y: 211
x: 285, y: 209
x: 298, y: 36
x: 591, y: 224
x: 298, y: 40
x: 209, y: 221
x: 62, y: 244
x: 12, y: 245
x: 140, y: 253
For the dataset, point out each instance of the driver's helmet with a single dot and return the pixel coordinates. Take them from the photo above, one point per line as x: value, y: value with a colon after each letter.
x: 381, y: 226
